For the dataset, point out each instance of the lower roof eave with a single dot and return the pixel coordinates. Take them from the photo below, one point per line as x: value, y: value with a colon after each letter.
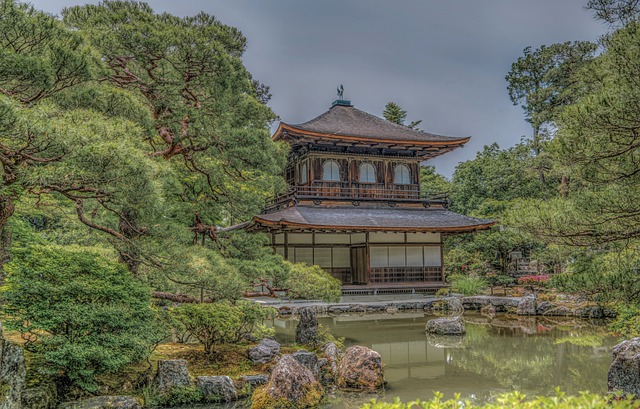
x: 261, y: 224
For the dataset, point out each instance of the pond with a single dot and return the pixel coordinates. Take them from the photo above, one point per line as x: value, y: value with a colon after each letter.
x: 530, y: 354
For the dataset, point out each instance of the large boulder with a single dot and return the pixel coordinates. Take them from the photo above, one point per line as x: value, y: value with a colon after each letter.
x: 290, y: 385
x: 103, y: 402
x: 307, y: 328
x: 217, y: 388
x: 171, y: 373
x: 446, y: 326
x: 12, y: 374
x: 307, y: 359
x: 624, y: 373
x: 527, y: 306
x: 332, y: 353
x: 360, y: 368
x: 264, y: 352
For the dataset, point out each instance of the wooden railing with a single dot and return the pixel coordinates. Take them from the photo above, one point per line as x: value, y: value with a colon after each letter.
x: 359, y: 191
x: 405, y: 274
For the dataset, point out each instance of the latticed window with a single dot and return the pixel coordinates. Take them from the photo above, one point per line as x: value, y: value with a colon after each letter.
x: 367, y: 173
x: 330, y: 170
x: 303, y: 173
x: 402, y: 175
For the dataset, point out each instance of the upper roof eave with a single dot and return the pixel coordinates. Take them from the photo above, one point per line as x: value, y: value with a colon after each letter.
x: 284, y: 127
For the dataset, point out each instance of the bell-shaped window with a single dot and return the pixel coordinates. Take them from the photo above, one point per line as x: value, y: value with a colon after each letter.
x: 304, y: 174
x: 330, y: 170
x: 367, y: 173
x: 402, y: 175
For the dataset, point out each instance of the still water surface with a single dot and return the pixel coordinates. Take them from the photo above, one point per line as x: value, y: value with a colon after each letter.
x: 530, y: 354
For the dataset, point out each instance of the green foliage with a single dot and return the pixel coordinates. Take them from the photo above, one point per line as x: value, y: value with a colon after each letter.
x: 606, y: 276
x: 627, y: 323
x: 516, y: 400
x: 176, y: 396
x: 614, y: 12
x: 209, y: 117
x: 433, y: 183
x: 84, y: 315
x: 394, y: 113
x: 254, y: 258
x: 202, y: 273
x: 221, y: 322
x: 468, y: 284
x: 495, y: 174
x: 312, y: 282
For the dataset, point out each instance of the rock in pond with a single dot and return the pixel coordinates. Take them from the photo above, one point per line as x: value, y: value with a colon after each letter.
x: 527, y: 306
x: 103, y: 402
x: 445, y: 341
x: 307, y: 328
x: 488, y: 310
x: 217, y: 388
x: 624, y: 373
x: 290, y: 385
x: 171, y: 373
x: 264, y: 352
x: 446, y: 326
x: 360, y: 368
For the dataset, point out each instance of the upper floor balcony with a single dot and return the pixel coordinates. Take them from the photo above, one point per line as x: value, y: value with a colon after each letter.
x: 360, y: 192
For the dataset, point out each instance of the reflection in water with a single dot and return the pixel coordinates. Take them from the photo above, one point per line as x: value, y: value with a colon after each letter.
x: 496, y: 355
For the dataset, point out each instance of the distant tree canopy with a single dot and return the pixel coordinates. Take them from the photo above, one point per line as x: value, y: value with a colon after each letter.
x: 394, y: 113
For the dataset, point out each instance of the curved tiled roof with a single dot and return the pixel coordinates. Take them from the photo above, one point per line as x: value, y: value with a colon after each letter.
x: 372, y: 219
x: 348, y: 121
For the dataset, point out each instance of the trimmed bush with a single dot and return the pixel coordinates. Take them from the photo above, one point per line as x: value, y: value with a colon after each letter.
x: 221, y: 322
x: 83, y: 314
x: 312, y: 282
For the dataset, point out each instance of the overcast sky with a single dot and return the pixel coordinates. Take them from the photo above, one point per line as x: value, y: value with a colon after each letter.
x: 443, y: 61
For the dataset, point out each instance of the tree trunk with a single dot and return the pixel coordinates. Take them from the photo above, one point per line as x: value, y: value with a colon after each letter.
x: 129, y: 253
x: 7, y: 208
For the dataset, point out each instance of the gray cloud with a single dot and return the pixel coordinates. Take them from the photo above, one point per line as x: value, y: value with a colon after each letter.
x: 442, y: 61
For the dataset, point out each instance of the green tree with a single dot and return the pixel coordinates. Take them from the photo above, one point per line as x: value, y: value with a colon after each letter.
x: 394, y: 113
x: 543, y: 81
x: 432, y: 182
x: 496, y: 176
x: 65, y: 136
x: 82, y: 314
x: 209, y: 117
x: 597, y: 146
x: 615, y: 12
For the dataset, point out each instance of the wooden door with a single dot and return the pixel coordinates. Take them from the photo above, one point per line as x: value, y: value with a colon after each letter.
x: 359, y: 265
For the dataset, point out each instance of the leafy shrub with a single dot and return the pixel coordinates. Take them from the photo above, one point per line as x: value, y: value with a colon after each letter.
x: 627, y: 323
x: 516, y: 400
x: 221, y: 322
x: 540, y: 280
x: 176, y: 396
x: 84, y: 315
x: 312, y: 282
x: 468, y: 284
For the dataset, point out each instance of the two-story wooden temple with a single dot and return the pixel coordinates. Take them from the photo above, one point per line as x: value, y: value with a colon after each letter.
x: 354, y: 206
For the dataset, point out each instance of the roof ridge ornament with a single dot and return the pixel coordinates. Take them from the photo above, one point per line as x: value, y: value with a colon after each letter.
x: 340, y: 101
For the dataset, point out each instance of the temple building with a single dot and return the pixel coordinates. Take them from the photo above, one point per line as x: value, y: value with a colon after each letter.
x: 354, y: 206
